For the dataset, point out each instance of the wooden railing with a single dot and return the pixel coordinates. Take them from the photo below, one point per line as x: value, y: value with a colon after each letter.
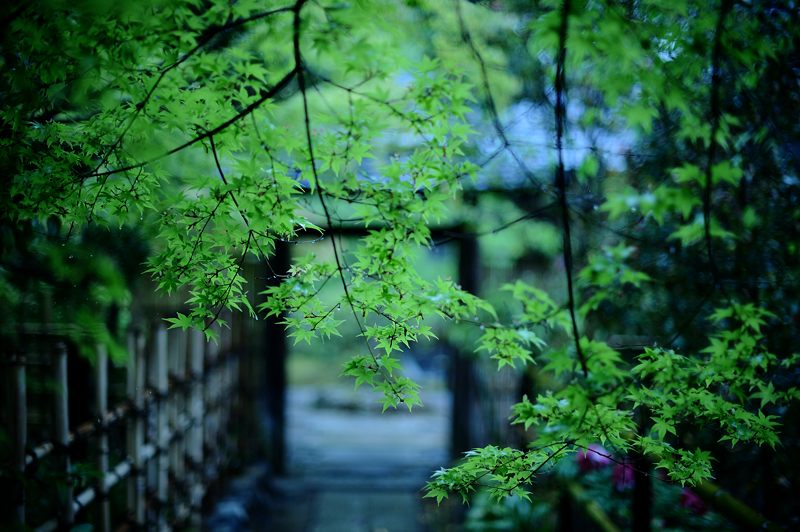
x: 180, y: 397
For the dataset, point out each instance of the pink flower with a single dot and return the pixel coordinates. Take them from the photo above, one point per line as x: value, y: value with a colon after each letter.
x: 693, y: 502
x: 622, y: 477
x: 594, y: 457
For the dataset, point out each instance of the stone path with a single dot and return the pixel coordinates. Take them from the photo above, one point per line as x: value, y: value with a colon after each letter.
x: 352, y: 469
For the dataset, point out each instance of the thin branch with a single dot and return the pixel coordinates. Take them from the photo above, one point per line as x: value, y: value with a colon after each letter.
x: 322, y: 318
x: 560, y: 177
x: 230, y: 193
x: 527, y: 478
x: 453, y: 235
x: 514, y: 458
x: 619, y: 232
x: 716, y: 57
x: 207, y: 36
x: 689, y: 318
x: 489, y: 98
x: 299, y: 69
x: 199, y: 236
x: 277, y: 88
x: 231, y: 283
x: 225, y: 180
x: 414, y: 121
x: 314, y: 294
x: 626, y: 463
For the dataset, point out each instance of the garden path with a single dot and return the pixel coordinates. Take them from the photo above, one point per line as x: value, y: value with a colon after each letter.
x: 353, y: 469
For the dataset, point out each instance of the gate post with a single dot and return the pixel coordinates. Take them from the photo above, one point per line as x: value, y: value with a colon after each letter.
x: 276, y: 352
x: 462, y: 376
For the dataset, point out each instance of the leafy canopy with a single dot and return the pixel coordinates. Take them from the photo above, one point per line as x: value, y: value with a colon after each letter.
x: 222, y: 129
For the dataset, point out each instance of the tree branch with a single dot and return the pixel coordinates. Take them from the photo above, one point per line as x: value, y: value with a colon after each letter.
x: 277, y: 88
x: 299, y: 69
x: 716, y: 57
x: 489, y: 97
x: 560, y: 177
x: 206, y: 37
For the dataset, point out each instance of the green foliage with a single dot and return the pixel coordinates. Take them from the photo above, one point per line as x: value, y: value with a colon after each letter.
x: 220, y: 130
x: 607, y: 274
x: 719, y: 386
x: 656, y: 401
x: 502, y: 471
x: 724, y: 386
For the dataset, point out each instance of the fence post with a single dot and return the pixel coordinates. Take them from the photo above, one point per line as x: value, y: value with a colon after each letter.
x: 21, y: 431
x: 135, y: 429
x: 104, y: 517
x: 195, y: 437
x: 66, y: 510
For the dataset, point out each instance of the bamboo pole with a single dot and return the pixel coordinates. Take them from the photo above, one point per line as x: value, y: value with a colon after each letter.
x: 151, y: 429
x: 732, y: 508
x: 20, y: 432
x: 130, y: 424
x: 104, y: 516
x: 234, y: 403
x: 162, y: 428
x: 135, y: 432
x: 224, y: 439
x: 177, y: 405
x: 592, y: 509
x: 463, y: 375
x: 273, y: 350
x: 120, y: 472
x: 211, y: 417
x: 66, y: 510
x: 172, y: 412
x: 195, y: 437
x: 224, y: 332
x: 229, y: 403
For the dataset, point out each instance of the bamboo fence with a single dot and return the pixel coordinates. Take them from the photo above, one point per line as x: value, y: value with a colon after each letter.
x: 176, y: 418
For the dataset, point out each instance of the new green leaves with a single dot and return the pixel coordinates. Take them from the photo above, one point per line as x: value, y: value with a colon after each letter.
x: 503, y: 471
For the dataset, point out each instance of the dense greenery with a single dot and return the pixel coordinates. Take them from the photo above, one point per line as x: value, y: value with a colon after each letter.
x: 647, y: 151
